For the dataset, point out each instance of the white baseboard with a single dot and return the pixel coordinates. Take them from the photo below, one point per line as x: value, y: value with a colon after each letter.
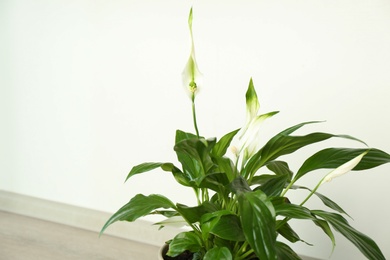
x: 92, y: 220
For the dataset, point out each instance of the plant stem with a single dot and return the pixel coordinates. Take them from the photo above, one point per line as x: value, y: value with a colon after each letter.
x: 194, y: 115
x: 312, y: 192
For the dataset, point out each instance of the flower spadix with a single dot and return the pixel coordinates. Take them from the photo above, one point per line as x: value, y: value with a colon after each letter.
x: 344, y: 168
x: 191, y: 74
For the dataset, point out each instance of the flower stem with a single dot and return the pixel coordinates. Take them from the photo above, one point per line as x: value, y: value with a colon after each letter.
x: 194, y: 115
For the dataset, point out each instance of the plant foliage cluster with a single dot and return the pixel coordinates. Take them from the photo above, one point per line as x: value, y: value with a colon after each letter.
x: 242, y: 204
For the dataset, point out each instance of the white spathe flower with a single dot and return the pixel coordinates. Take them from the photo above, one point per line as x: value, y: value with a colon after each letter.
x: 344, y: 168
x: 249, y: 136
x: 191, y: 75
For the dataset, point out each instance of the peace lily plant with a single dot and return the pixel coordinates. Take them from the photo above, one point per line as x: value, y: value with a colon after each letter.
x: 242, y: 200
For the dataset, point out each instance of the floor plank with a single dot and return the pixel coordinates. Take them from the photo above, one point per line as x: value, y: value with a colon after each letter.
x: 23, y: 238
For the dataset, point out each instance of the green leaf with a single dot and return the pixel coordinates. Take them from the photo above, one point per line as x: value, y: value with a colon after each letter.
x: 223, y: 144
x: 285, y: 252
x: 143, y: 167
x: 194, y: 214
x: 226, y: 166
x: 334, y: 157
x: 274, y: 186
x: 228, y: 227
x: 215, y: 182
x: 292, y: 211
x: 278, y: 145
x: 169, y: 167
x: 181, y: 135
x: 139, y: 206
x: 330, y: 203
x: 239, y: 185
x: 184, y: 241
x: 327, y: 201
x: 326, y: 228
x: 258, y: 223
x: 194, y: 155
x: 280, y: 168
x: 287, y: 232
x: 283, y: 143
x: 365, y: 244
x: 220, y: 253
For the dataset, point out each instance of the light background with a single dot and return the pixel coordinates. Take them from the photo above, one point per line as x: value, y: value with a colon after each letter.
x: 90, y: 88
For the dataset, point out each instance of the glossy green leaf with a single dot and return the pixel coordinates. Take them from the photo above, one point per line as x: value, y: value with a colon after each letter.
x: 334, y: 157
x: 284, y: 143
x: 223, y: 144
x: 287, y: 232
x: 327, y: 230
x: 208, y: 221
x: 284, y: 252
x: 228, y: 227
x: 274, y: 186
x: 139, y: 206
x: 365, y: 244
x: 194, y: 214
x: 261, y: 179
x: 239, y: 185
x: 330, y: 203
x: 143, y: 167
x: 184, y: 241
x: 292, y: 211
x: 220, y: 253
x: 327, y: 201
x: 194, y: 155
x: 226, y: 166
x: 278, y: 145
x: 280, y: 168
x: 181, y: 135
x: 258, y: 223
x: 215, y: 182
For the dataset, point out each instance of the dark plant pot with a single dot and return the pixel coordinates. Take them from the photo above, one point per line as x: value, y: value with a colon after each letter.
x: 183, y: 256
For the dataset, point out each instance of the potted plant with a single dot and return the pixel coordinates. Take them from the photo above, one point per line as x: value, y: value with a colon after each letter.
x: 242, y: 190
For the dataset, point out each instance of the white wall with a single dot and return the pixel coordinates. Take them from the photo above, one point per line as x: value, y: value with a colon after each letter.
x: 90, y: 88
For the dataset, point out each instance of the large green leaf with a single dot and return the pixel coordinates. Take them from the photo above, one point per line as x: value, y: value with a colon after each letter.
x: 181, y: 135
x: 292, y: 211
x: 143, y: 167
x: 194, y: 214
x: 194, y: 155
x: 334, y: 157
x: 258, y: 223
x: 139, y: 206
x: 226, y: 166
x: 365, y: 244
x: 222, y: 145
x: 327, y: 201
x: 287, y: 232
x: 280, y: 168
x: 282, y: 144
x: 274, y: 186
x: 285, y: 252
x: 215, y: 182
x: 220, y: 253
x: 327, y: 230
x: 185, y: 241
x: 228, y: 227
x: 169, y: 167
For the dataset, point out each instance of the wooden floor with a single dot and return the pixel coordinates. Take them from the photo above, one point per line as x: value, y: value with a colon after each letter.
x: 25, y: 238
